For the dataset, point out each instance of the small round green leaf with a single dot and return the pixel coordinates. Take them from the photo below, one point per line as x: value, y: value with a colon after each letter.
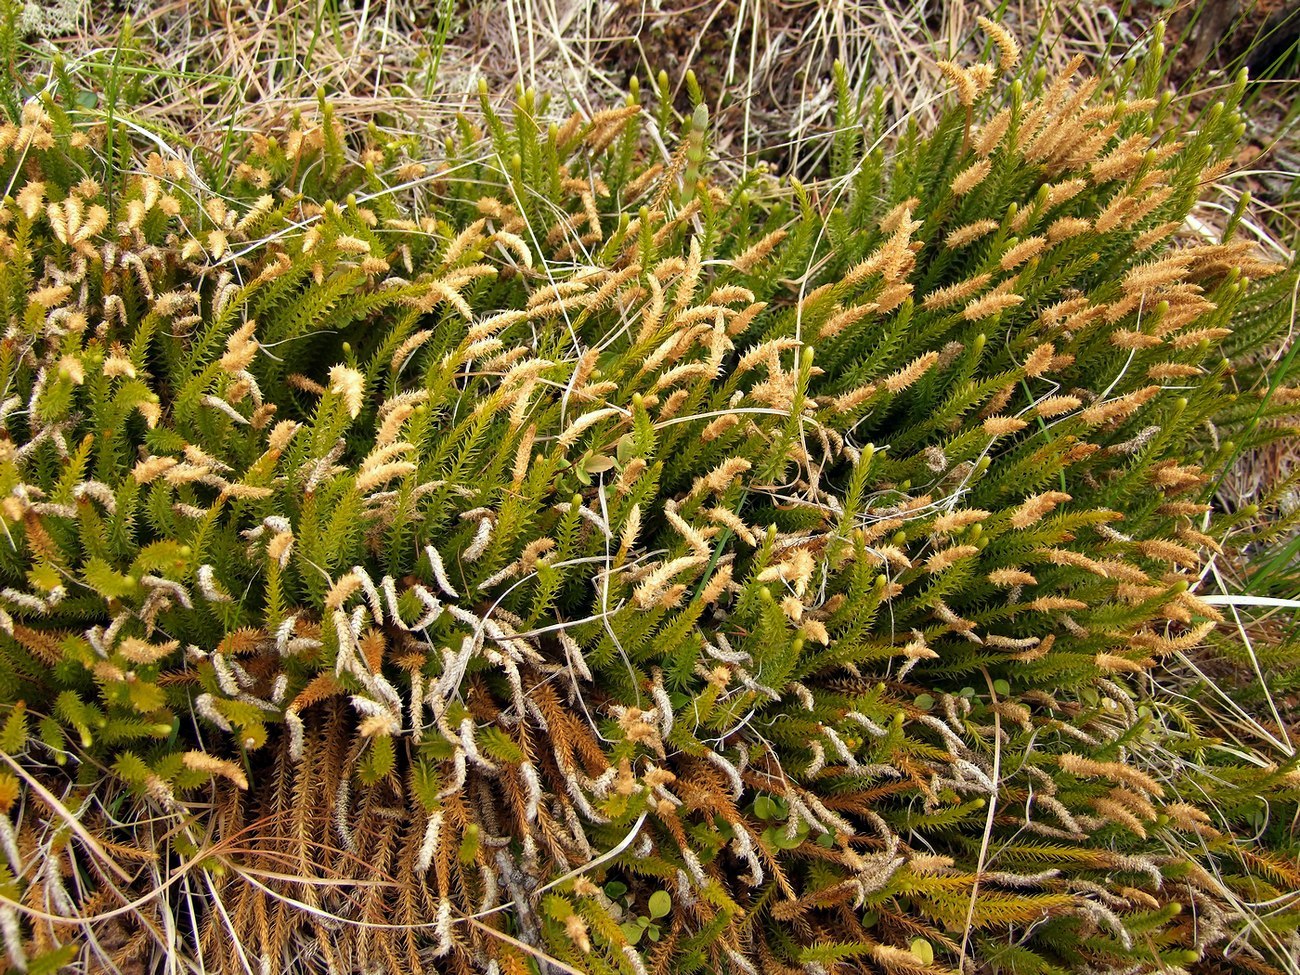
x: 785, y: 841
x: 923, y: 950
x: 598, y: 463
x: 661, y: 903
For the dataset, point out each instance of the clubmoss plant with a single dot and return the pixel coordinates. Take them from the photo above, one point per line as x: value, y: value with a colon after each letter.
x: 452, y: 567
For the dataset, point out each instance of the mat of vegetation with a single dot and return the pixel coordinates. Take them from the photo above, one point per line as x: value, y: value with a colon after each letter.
x: 554, y: 559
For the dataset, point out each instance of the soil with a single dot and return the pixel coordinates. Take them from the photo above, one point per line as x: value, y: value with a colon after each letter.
x: 1228, y: 34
